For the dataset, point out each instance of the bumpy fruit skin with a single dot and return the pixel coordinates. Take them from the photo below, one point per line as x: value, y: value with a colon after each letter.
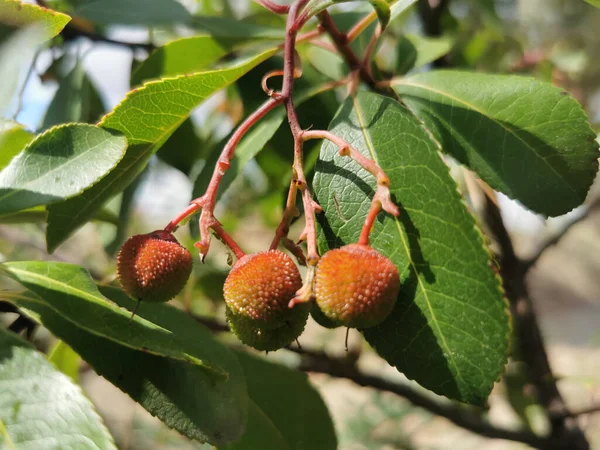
x: 355, y: 286
x: 260, y: 286
x: 270, y: 339
x: 153, y: 267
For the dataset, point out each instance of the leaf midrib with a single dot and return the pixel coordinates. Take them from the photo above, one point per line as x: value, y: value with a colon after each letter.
x: 406, y: 82
x: 367, y: 137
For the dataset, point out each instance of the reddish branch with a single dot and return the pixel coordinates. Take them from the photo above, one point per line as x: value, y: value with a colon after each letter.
x: 342, y: 44
x: 274, y: 7
x: 207, y: 202
x: 361, y: 68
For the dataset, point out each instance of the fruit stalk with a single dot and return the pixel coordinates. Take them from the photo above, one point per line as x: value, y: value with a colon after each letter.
x: 294, y: 23
x: 382, y: 198
x: 207, y: 202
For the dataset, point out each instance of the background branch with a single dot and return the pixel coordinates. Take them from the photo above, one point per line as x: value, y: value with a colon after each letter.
x: 431, y: 12
x: 527, y: 264
x: 71, y: 32
x: 345, y: 367
x: 566, y: 433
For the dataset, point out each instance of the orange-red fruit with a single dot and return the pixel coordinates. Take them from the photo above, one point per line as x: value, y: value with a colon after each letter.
x: 260, y: 286
x: 355, y: 286
x: 153, y: 267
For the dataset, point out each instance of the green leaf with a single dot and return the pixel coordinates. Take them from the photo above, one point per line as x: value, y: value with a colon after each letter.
x: 76, y: 100
x: 40, y: 214
x: 395, y: 8
x: 35, y: 25
x: 179, y: 394
x: 70, y: 291
x: 131, y: 12
x: 183, y: 148
x: 15, y: 51
x: 42, y: 408
x: 224, y: 28
x: 147, y: 117
x: 329, y: 64
x: 289, y: 405
x: 36, y: 214
x: 314, y: 7
x: 13, y: 138
x: 179, y: 57
x: 185, y: 55
x: 414, y: 51
x: 449, y: 329
x: 18, y: 14
x: 523, y: 137
x: 383, y: 11
x: 400, y: 7
x: 596, y: 3
x: 260, y: 431
x: 66, y: 360
x: 59, y: 164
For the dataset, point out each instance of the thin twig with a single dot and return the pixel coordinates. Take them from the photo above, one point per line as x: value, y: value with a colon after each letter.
x: 340, y: 368
x: 361, y: 26
x: 70, y: 32
x: 208, y: 201
x: 24, y: 85
x: 344, y: 367
x: 370, y: 51
x: 342, y: 44
x: 529, y: 263
x: 595, y: 409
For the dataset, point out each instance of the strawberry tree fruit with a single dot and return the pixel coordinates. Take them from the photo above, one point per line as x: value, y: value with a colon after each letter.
x: 356, y: 286
x: 153, y: 267
x: 260, y: 286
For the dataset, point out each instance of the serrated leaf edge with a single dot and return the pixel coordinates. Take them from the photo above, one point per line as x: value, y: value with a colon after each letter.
x: 481, y: 243
x: 591, y: 138
x: 53, y: 129
x: 57, y: 14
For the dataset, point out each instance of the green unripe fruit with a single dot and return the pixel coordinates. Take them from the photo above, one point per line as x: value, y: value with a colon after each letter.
x: 153, y: 267
x: 321, y: 319
x: 260, y: 286
x: 355, y: 286
x: 268, y: 339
